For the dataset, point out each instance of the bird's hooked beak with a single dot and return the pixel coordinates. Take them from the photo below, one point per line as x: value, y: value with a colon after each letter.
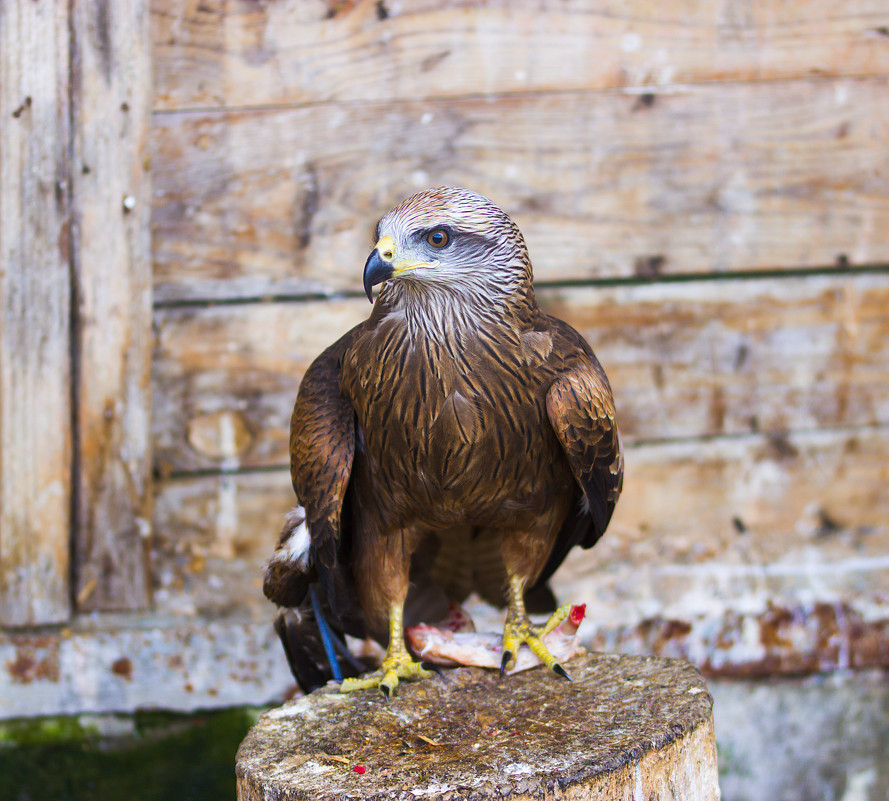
x: 381, y: 265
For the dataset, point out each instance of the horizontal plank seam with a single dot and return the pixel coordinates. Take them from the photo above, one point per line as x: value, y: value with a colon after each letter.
x: 858, y: 428
x: 246, y: 300
x: 616, y: 281
x: 660, y: 89
x: 855, y: 564
x: 124, y: 623
x: 162, y: 477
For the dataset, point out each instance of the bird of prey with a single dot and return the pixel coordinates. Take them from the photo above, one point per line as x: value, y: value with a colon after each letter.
x: 458, y: 440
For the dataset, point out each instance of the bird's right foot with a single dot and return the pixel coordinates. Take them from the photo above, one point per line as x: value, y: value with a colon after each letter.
x: 394, y: 668
x: 519, y: 629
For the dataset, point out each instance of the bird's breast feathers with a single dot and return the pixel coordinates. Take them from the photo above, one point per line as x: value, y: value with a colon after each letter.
x: 443, y: 424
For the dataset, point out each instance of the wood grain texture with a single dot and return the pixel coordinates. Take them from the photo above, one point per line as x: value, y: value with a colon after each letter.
x: 225, y: 379
x: 627, y: 727
x: 716, y: 178
x: 748, y: 556
x: 112, y: 266
x: 221, y: 53
x: 696, y: 529
x: 213, y: 536
x: 705, y: 358
x: 686, y: 360
x: 35, y: 375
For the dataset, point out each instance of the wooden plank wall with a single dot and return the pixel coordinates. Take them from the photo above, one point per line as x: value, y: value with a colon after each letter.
x: 75, y: 309
x: 705, y: 194
x: 35, y: 373
x: 112, y: 277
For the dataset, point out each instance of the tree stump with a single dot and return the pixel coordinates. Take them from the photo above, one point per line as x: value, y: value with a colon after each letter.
x: 627, y: 727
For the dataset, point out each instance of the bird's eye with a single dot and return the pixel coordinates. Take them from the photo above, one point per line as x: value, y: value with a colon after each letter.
x: 438, y: 238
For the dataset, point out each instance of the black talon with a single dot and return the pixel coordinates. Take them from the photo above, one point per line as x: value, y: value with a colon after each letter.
x: 560, y: 671
x: 433, y: 668
x: 507, y: 656
x: 384, y: 688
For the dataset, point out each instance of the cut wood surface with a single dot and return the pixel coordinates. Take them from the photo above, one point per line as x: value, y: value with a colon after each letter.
x: 35, y: 374
x: 715, y: 178
x: 112, y: 267
x: 625, y: 728
x: 727, y: 504
x: 217, y: 53
x: 688, y: 359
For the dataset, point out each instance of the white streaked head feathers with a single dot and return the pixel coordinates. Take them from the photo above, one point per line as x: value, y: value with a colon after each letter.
x: 481, y: 272
x: 485, y: 252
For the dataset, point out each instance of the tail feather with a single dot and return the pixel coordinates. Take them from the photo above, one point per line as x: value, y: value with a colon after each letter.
x: 315, y: 650
x: 289, y: 572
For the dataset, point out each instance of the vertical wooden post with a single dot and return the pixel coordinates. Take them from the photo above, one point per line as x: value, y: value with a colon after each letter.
x: 35, y: 389
x: 111, y: 80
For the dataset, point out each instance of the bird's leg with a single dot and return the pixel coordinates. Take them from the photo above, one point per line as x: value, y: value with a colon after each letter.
x: 382, y: 567
x: 519, y: 629
x: 398, y: 664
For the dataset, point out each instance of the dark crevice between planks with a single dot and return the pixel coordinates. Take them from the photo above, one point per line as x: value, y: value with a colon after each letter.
x: 839, y: 269
x: 308, y: 297
x: 74, y: 323
x: 161, y: 476
x: 781, y: 438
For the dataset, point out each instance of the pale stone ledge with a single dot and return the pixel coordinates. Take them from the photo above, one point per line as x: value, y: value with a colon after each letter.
x: 121, y: 663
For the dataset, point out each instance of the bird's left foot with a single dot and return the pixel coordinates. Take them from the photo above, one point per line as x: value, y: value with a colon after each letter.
x: 519, y: 629
x: 394, y: 668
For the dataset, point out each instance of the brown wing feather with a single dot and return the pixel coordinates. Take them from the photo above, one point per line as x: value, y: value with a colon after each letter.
x: 322, y: 446
x: 581, y: 410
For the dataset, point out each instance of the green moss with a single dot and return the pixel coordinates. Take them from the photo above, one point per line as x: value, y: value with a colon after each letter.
x: 161, y: 756
x: 43, y: 731
x: 730, y: 764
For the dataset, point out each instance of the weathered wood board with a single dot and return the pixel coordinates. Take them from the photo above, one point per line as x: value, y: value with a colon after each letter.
x: 748, y: 556
x: 225, y: 379
x: 35, y: 370
x: 735, y: 524
x: 112, y: 273
x: 686, y: 360
x: 723, y: 532
x: 213, y: 535
x: 716, y: 178
x: 220, y: 53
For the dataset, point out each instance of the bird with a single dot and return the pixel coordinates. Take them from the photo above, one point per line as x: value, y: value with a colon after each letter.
x: 458, y: 440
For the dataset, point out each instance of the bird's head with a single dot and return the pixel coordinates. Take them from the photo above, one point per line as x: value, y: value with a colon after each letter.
x: 449, y: 240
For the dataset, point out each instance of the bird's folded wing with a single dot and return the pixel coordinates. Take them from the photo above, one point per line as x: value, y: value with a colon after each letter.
x: 581, y: 410
x: 322, y: 446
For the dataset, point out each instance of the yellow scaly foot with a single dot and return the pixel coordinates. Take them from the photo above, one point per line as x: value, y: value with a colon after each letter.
x: 519, y: 629
x: 398, y: 663
x: 393, y: 669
